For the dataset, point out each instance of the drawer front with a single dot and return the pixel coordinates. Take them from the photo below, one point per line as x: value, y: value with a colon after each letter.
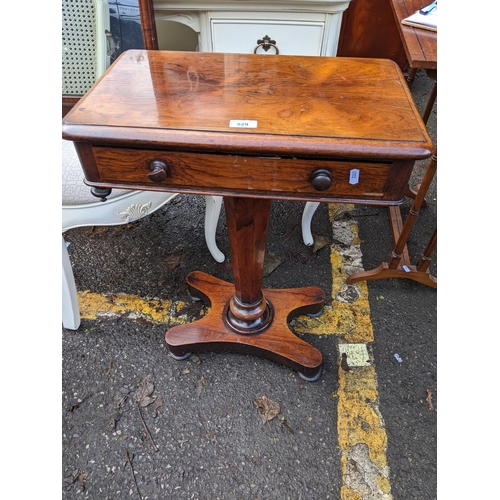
x: 260, y: 176
x: 302, y: 38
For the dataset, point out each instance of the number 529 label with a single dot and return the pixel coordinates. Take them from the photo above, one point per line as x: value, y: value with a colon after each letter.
x: 243, y: 123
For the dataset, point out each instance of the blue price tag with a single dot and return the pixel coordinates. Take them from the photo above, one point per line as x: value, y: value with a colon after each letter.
x: 354, y: 176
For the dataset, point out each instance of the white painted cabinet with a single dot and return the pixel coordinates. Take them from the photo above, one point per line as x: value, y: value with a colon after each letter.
x: 263, y: 27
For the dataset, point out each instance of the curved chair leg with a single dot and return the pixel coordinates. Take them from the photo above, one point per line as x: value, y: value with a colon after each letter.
x: 212, y: 212
x: 307, y: 216
x: 70, y: 308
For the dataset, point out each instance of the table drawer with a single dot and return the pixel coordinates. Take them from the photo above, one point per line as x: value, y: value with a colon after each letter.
x: 272, y: 177
x: 267, y: 36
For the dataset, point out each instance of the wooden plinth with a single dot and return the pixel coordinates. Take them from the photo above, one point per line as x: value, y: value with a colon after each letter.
x: 275, y: 341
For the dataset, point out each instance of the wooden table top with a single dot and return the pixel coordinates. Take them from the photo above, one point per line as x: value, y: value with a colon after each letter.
x: 314, y: 106
x: 420, y: 45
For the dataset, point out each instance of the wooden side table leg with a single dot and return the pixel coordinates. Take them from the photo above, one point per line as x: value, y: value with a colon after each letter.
x: 411, y: 77
x: 399, y: 265
x: 430, y: 103
x: 243, y: 317
x: 424, y: 261
x: 412, y: 193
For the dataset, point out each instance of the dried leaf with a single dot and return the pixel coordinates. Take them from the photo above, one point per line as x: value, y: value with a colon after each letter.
x: 121, y: 227
x: 81, y: 479
x: 96, y: 230
x: 144, y: 396
x: 271, y: 262
x: 319, y: 242
x: 429, y: 399
x: 267, y: 408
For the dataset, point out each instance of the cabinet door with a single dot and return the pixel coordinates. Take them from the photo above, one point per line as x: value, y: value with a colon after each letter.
x: 289, y: 37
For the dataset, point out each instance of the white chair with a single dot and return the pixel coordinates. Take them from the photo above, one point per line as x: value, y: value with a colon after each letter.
x: 80, y: 208
x: 307, y: 216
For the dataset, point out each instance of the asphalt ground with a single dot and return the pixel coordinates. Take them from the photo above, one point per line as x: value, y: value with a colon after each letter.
x: 370, y: 433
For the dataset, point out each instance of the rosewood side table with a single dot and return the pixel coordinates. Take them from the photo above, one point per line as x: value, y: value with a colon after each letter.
x: 251, y: 128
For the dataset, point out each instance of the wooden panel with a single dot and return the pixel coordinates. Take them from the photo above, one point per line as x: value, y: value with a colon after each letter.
x: 420, y: 45
x: 369, y: 30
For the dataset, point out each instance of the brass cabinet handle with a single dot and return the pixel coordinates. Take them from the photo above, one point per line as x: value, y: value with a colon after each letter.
x: 321, y: 179
x: 266, y: 43
x: 159, y: 170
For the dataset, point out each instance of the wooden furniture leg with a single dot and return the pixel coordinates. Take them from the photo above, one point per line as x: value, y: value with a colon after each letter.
x: 424, y: 260
x: 430, y: 103
x: 243, y: 317
x: 399, y: 265
x: 411, y: 77
x: 412, y: 192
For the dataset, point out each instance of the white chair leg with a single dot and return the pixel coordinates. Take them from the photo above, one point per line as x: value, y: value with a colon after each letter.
x: 307, y: 216
x: 70, y: 308
x: 212, y: 212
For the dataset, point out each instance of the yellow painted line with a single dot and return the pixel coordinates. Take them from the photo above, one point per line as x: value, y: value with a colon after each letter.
x: 350, y: 321
x: 94, y: 306
x: 361, y: 432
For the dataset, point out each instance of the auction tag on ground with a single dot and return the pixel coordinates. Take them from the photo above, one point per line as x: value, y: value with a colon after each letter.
x: 357, y: 354
x: 243, y: 123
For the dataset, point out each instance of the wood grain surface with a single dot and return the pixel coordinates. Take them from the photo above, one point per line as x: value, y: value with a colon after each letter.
x: 319, y: 106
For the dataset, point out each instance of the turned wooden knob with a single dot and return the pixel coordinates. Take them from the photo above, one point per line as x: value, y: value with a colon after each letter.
x: 101, y: 193
x: 321, y: 179
x: 159, y: 170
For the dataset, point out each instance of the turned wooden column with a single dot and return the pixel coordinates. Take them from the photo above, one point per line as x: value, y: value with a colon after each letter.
x: 248, y: 222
